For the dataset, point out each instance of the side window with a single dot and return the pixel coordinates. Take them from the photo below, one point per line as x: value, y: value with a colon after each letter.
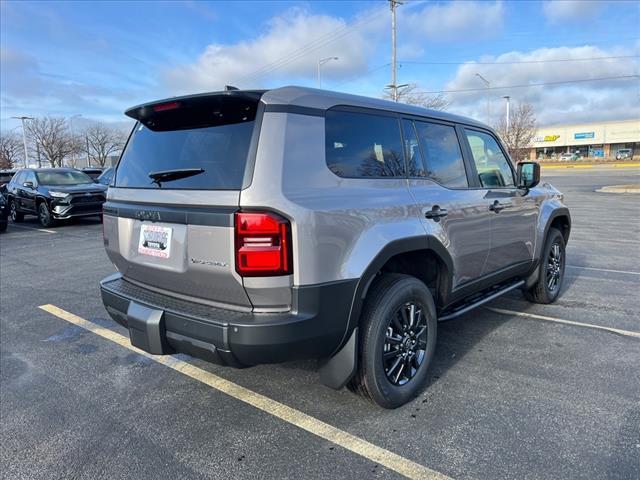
x: 31, y: 177
x: 363, y: 145
x: 19, y: 178
x: 415, y: 164
x: 443, y: 154
x: 492, y: 166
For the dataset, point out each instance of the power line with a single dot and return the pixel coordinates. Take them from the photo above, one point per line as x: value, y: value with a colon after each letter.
x: 368, y: 72
x: 472, y: 62
x: 313, y: 45
x: 526, y: 85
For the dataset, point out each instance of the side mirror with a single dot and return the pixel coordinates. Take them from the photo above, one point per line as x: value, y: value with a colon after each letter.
x: 528, y: 174
x: 28, y: 184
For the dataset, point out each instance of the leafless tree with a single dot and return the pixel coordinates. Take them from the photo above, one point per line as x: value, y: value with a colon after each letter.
x: 102, y: 141
x: 411, y: 95
x: 54, y: 139
x: 522, y: 128
x: 11, y: 149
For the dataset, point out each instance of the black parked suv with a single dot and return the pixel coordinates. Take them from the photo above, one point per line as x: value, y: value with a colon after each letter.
x: 5, y: 178
x: 93, y: 172
x: 4, y: 214
x: 54, y: 194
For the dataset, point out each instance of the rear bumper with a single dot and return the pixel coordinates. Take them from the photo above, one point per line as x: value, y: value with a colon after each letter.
x: 160, y: 324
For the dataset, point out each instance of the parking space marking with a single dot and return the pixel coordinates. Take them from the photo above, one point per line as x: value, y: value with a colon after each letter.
x: 371, y: 452
x: 618, y: 331
x: 604, y: 270
x: 33, y: 228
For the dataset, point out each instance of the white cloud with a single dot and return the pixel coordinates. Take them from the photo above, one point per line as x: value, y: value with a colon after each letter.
x: 285, y: 37
x: 596, y: 100
x: 563, y: 10
x: 457, y: 21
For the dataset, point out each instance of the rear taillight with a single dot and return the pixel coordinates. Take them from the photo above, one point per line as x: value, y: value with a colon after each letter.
x: 263, y: 245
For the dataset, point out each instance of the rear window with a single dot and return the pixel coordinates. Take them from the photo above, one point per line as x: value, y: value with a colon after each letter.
x: 211, y: 137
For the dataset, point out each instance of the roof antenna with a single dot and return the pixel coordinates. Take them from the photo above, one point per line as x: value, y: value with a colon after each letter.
x: 228, y: 88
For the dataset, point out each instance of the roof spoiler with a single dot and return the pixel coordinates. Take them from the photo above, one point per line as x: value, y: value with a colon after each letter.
x: 145, y: 111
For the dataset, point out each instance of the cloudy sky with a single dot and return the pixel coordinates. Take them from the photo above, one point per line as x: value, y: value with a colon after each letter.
x: 574, y: 61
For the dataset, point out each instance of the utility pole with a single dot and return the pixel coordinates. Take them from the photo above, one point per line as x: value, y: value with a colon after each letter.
x: 394, y: 78
x: 38, y: 154
x: 24, y: 139
x: 86, y: 137
x: 508, y: 98
x: 488, y: 85
x: 321, y: 62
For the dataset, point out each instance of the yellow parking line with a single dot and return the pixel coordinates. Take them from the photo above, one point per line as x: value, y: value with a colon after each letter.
x: 376, y: 454
x: 619, y: 331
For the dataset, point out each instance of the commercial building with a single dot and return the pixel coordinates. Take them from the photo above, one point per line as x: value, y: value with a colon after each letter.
x: 600, y: 140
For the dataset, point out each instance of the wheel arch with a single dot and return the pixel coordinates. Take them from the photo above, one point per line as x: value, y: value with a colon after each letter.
x: 397, y: 257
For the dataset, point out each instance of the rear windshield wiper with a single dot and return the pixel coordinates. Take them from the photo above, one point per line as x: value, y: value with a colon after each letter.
x: 177, y: 174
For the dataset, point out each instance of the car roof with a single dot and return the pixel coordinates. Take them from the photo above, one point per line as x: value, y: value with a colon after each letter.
x: 323, y: 99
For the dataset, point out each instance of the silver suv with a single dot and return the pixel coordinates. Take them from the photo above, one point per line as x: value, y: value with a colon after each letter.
x: 255, y: 227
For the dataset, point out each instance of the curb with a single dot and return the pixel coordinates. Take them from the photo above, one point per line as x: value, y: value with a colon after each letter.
x: 620, y: 189
x: 593, y: 165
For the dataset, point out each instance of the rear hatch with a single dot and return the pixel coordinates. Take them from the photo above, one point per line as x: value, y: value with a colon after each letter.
x: 169, y: 219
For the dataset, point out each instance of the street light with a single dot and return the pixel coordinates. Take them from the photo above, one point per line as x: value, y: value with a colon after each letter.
x: 24, y: 138
x: 321, y: 62
x: 488, y: 85
x: 508, y: 98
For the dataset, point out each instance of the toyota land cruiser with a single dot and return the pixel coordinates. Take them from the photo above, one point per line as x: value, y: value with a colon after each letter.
x: 253, y: 227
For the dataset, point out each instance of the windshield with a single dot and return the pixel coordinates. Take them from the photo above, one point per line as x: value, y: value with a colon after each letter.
x: 62, y: 178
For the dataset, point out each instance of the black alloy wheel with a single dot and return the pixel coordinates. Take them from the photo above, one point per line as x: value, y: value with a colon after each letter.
x: 405, y: 343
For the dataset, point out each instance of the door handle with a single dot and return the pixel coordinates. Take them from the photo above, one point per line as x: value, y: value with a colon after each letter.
x: 435, y: 213
x: 498, y: 207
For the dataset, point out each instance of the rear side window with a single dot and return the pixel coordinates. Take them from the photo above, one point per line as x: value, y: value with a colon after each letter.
x: 443, y: 154
x: 209, y: 138
x: 412, y: 150
x: 363, y: 145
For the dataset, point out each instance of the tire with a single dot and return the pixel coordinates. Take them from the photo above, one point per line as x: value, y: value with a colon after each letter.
x: 15, y: 215
x: 551, y: 270
x: 379, y: 378
x: 44, y: 215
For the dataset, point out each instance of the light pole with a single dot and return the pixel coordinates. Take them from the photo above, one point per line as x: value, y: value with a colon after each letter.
x: 321, y: 62
x: 24, y: 139
x: 508, y: 99
x: 488, y: 85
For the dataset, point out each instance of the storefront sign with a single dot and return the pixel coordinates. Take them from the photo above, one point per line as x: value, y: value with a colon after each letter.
x: 582, y: 135
x: 551, y: 138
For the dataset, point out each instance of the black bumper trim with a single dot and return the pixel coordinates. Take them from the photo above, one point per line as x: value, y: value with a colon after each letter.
x: 314, y: 327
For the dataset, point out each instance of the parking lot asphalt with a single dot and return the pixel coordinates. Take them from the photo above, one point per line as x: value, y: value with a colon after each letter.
x: 509, y: 397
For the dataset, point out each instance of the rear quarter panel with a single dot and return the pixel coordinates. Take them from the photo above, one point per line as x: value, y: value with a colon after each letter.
x: 338, y: 224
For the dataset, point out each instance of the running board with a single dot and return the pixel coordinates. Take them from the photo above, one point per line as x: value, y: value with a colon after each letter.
x: 490, y: 295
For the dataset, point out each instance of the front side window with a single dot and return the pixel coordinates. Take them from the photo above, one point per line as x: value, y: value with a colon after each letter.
x: 363, y: 145
x: 491, y: 164
x: 443, y: 154
x: 31, y: 177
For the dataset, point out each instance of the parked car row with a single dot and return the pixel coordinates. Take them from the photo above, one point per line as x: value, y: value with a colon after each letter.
x: 52, y: 194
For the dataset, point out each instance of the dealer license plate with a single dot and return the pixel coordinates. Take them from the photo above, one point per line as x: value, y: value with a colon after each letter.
x: 155, y: 241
